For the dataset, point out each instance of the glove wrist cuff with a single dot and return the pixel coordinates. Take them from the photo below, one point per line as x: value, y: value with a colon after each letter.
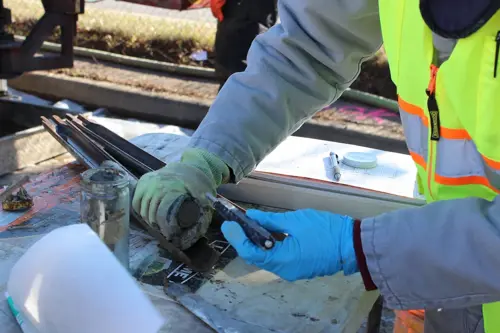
x: 349, y: 262
x: 361, y: 258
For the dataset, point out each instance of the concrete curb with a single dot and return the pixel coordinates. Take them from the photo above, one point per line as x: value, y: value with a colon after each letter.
x: 172, y: 109
x: 126, y: 101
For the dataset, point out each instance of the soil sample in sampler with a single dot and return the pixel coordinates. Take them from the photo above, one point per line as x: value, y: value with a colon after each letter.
x: 105, y: 207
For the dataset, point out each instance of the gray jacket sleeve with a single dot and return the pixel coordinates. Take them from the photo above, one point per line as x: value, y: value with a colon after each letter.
x: 443, y: 255
x: 294, y: 69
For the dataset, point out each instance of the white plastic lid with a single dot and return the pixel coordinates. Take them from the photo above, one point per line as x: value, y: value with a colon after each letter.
x: 360, y: 160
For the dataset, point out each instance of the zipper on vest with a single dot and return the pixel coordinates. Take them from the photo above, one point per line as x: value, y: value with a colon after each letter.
x: 434, y: 125
x: 432, y: 105
x: 497, y: 40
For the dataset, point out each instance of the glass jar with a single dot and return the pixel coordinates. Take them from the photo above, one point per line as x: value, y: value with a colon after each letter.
x: 105, y: 207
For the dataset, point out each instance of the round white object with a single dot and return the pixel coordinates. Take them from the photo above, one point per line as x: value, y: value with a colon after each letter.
x: 69, y: 281
x: 360, y: 160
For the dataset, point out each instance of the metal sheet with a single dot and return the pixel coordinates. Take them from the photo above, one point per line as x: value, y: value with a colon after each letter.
x: 291, y: 196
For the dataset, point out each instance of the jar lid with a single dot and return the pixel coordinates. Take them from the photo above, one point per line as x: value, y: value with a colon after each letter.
x: 105, y: 176
x: 360, y: 160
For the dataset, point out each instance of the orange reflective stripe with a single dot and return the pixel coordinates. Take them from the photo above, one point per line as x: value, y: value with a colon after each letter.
x: 412, y: 109
x: 447, y: 133
x: 452, y: 133
x: 466, y: 180
x: 492, y: 164
x: 418, y: 159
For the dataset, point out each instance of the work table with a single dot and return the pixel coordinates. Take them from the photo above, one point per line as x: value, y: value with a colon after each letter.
x: 330, y: 304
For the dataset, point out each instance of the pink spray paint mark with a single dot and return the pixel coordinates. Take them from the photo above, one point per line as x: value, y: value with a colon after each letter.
x: 362, y: 113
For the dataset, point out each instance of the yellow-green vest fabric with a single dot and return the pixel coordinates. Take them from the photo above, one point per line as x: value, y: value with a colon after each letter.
x: 465, y: 161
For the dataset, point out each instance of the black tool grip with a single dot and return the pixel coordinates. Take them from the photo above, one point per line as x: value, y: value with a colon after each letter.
x: 254, y: 231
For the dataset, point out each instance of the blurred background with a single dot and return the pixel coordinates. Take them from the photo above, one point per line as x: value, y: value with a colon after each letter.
x: 143, y: 29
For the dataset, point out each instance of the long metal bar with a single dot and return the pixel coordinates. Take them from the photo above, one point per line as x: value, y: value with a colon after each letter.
x: 128, y: 161
x: 113, y: 138
x: 95, y: 152
x: 291, y: 195
x: 76, y: 152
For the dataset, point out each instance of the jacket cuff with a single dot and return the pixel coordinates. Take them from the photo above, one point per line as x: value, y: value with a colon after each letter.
x: 360, y: 257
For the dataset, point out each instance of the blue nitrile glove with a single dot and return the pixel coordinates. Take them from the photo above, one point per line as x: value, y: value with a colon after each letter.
x: 318, y: 244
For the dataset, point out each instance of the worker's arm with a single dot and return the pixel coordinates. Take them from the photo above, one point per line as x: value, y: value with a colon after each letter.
x: 294, y: 69
x: 443, y: 255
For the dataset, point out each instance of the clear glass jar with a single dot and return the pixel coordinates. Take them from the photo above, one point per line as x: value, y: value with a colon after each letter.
x: 105, y: 207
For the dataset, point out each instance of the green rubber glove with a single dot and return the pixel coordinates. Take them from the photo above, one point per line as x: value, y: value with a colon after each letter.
x: 173, y: 198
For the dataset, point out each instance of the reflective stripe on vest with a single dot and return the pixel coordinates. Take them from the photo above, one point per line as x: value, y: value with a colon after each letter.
x: 465, y: 160
x: 458, y: 161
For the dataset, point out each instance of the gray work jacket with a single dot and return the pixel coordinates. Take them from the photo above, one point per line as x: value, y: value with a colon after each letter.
x: 450, y: 264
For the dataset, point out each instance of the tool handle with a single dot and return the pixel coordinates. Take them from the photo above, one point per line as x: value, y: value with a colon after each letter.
x: 254, y: 231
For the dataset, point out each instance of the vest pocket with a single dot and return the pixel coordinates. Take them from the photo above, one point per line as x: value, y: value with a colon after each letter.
x: 458, y: 158
x: 460, y: 168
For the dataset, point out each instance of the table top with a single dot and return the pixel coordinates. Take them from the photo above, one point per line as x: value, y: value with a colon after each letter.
x: 237, y: 289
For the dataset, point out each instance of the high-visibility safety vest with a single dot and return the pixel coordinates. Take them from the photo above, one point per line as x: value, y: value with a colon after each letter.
x: 450, y: 114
